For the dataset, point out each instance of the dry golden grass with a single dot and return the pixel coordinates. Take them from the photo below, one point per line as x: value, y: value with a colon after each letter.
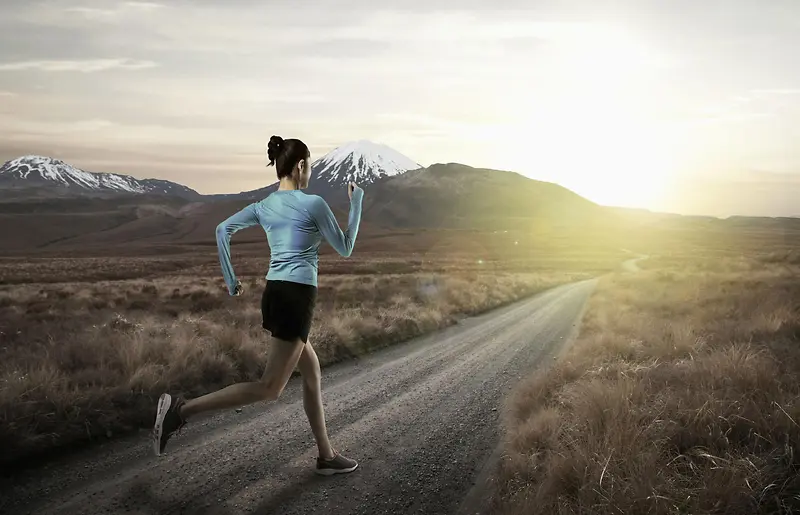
x: 83, y: 361
x: 681, y: 395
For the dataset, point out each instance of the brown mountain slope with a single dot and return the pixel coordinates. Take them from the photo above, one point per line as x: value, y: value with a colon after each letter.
x: 459, y: 196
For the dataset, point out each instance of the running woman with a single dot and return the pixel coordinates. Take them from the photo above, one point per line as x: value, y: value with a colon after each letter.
x: 295, y: 224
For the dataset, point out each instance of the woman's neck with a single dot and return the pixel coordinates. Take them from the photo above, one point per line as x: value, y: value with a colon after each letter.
x: 288, y: 184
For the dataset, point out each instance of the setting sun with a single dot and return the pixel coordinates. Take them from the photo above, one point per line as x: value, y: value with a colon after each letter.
x: 593, y: 124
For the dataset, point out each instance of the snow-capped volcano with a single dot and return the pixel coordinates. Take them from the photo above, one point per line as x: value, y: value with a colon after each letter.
x: 37, y: 172
x: 361, y: 161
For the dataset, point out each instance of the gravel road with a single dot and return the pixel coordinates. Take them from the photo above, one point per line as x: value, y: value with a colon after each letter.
x: 631, y: 266
x: 421, y: 418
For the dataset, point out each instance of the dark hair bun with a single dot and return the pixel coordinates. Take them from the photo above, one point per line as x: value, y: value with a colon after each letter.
x: 274, y: 148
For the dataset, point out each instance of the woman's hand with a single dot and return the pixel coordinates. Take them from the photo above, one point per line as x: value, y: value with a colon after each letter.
x: 351, y: 188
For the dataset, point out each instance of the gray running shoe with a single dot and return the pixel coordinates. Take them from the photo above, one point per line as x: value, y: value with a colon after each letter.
x: 336, y: 465
x: 168, y: 421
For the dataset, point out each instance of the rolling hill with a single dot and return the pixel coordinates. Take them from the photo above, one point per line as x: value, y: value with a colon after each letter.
x: 459, y: 196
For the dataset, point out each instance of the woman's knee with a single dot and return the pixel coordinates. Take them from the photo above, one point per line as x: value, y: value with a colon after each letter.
x: 270, y: 391
x: 309, y: 367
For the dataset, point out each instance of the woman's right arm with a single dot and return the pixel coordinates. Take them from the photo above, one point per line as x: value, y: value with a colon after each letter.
x: 247, y: 217
x: 342, y: 241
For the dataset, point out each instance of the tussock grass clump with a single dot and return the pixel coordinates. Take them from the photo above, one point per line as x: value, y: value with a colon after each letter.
x: 681, y: 395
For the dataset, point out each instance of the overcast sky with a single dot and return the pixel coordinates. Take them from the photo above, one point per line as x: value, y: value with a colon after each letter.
x: 683, y: 105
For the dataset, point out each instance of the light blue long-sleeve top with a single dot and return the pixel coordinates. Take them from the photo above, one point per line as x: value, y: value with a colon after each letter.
x: 295, y: 223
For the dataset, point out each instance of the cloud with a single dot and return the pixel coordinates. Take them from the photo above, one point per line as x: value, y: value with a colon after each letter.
x: 84, y: 66
x: 91, y: 12
x: 104, y: 14
x: 761, y: 94
x: 768, y: 177
x: 728, y: 118
x: 773, y: 92
x: 113, y: 133
x: 144, y: 6
x: 752, y: 104
x: 23, y: 128
x: 6, y: 94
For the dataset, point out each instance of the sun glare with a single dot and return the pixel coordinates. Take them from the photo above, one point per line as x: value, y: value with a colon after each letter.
x: 592, y: 124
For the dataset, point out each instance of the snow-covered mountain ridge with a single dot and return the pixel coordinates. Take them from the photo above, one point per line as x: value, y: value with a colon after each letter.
x: 34, y: 171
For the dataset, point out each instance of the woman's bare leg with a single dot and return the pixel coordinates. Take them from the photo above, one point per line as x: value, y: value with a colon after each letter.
x: 282, y: 360
x: 312, y: 399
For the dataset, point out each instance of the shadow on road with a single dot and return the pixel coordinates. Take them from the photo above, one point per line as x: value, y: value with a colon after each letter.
x: 143, y: 498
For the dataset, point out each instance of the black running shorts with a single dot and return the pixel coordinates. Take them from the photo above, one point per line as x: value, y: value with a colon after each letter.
x: 287, y: 309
